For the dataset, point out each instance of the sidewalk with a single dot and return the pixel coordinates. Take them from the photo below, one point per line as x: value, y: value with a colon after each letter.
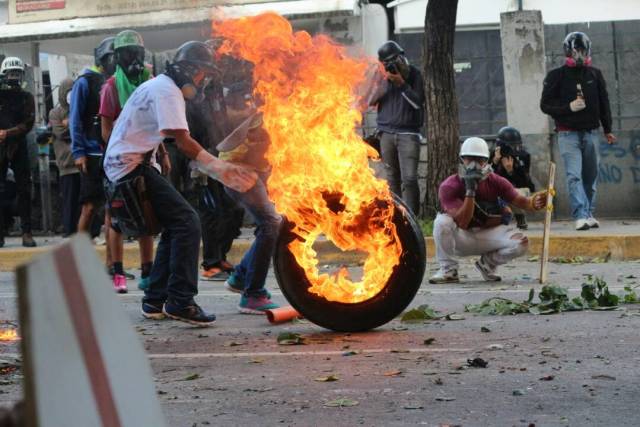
x: 617, y: 239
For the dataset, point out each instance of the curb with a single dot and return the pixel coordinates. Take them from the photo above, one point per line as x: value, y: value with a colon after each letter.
x: 620, y: 248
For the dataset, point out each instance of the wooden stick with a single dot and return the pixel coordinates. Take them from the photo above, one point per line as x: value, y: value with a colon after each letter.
x: 544, y: 258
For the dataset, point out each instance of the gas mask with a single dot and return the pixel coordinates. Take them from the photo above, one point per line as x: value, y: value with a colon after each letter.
x: 14, y: 79
x: 579, y: 58
x: 108, y: 65
x: 131, y: 60
x: 474, y: 167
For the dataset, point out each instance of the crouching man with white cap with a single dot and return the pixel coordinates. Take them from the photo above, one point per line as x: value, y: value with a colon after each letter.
x: 475, y: 216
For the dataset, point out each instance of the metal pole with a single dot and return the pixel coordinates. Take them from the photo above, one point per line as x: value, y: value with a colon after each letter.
x: 43, y: 147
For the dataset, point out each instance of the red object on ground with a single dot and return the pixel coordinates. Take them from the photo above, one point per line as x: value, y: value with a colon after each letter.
x: 282, y: 314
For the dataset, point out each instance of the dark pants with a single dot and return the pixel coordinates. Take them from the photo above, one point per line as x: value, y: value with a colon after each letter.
x: 70, y: 192
x: 220, y: 224
x: 19, y: 163
x: 174, y: 275
x: 179, y: 175
x: 400, y: 154
x: 254, y: 266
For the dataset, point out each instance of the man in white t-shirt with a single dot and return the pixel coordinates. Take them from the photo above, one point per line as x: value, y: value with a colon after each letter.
x: 156, y: 110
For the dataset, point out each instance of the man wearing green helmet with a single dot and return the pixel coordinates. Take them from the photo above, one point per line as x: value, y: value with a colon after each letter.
x: 130, y: 73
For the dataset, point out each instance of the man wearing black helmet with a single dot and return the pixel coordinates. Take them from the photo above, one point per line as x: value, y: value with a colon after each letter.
x: 17, y: 114
x: 87, y: 145
x: 400, y: 102
x: 575, y: 95
x: 512, y: 162
x: 155, y: 111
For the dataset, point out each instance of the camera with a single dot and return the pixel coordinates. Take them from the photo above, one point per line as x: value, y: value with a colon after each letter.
x: 391, y: 67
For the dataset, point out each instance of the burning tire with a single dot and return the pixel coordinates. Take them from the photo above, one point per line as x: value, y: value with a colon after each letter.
x: 399, y: 291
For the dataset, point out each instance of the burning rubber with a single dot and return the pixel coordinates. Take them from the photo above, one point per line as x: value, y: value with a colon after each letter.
x: 311, y: 92
x: 395, y: 294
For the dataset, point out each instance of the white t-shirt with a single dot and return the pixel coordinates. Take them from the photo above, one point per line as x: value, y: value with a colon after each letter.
x: 156, y: 105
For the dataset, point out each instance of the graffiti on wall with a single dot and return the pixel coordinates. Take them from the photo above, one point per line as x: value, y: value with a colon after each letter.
x: 620, y: 160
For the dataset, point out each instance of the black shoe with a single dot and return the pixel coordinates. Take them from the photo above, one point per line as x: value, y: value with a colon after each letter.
x: 27, y: 241
x: 191, y: 314
x: 152, y: 310
x: 521, y: 221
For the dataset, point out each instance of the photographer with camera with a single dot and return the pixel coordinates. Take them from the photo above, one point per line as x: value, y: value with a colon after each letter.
x: 400, y: 102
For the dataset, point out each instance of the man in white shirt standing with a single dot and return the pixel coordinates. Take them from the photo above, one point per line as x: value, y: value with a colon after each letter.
x: 156, y: 110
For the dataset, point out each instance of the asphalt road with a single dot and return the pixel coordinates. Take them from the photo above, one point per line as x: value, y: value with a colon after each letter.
x: 568, y: 369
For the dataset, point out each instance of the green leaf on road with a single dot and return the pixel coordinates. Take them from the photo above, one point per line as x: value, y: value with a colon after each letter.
x: 485, y: 329
x: 497, y: 306
x: 423, y: 312
x: 290, y: 338
x: 429, y: 341
x: 191, y: 377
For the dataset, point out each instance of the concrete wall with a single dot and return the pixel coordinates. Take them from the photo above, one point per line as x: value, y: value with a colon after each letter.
x: 409, y: 14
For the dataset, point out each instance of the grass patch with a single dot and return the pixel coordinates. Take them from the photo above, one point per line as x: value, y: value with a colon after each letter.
x: 426, y: 225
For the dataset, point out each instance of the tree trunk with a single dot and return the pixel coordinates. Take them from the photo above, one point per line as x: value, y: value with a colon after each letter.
x: 441, y: 101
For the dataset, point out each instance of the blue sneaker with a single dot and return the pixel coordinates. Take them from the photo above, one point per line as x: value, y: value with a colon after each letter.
x: 152, y: 310
x: 256, y: 305
x: 143, y: 283
x: 192, y: 314
x: 234, y: 284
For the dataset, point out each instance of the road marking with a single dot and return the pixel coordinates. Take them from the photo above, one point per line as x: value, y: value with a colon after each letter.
x: 302, y: 353
x: 286, y: 354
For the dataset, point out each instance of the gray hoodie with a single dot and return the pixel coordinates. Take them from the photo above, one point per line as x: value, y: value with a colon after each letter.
x: 61, y: 136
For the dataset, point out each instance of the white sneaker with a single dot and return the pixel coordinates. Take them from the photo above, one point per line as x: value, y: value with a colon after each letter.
x: 445, y: 276
x: 592, y: 222
x: 582, y: 224
x: 487, y: 270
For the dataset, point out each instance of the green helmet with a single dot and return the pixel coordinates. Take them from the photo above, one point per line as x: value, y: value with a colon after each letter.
x: 128, y: 38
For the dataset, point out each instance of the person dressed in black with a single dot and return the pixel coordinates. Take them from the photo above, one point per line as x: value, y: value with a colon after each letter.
x: 220, y: 216
x: 400, y: 101
x: 17, y: 114
x: 511, y: 161
x: 575, y: 96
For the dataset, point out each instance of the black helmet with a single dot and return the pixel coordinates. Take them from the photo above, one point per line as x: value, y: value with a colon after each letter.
x: 104, y: 48
x: 191, y: 58
x: 578, y: 41
x: 506, y: 150
x: 196, y: 54
x: 389, y: 50
x: 508, y: 135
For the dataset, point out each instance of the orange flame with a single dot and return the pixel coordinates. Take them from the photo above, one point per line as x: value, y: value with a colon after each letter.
x: 321, y: 179
x: 9, y: 335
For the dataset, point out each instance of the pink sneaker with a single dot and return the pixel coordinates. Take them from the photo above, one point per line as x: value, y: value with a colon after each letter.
x: 120, y: 283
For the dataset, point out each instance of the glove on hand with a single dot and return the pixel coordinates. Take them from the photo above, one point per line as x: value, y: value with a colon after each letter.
x: 577, y: 105
x: 239, y: 178
x: 471, y: 175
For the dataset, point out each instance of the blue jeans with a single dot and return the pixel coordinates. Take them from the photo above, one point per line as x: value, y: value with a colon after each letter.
x: 174, y: 275
x: 579, y: 150
x: 253, y: 268
x: 400, y: 154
